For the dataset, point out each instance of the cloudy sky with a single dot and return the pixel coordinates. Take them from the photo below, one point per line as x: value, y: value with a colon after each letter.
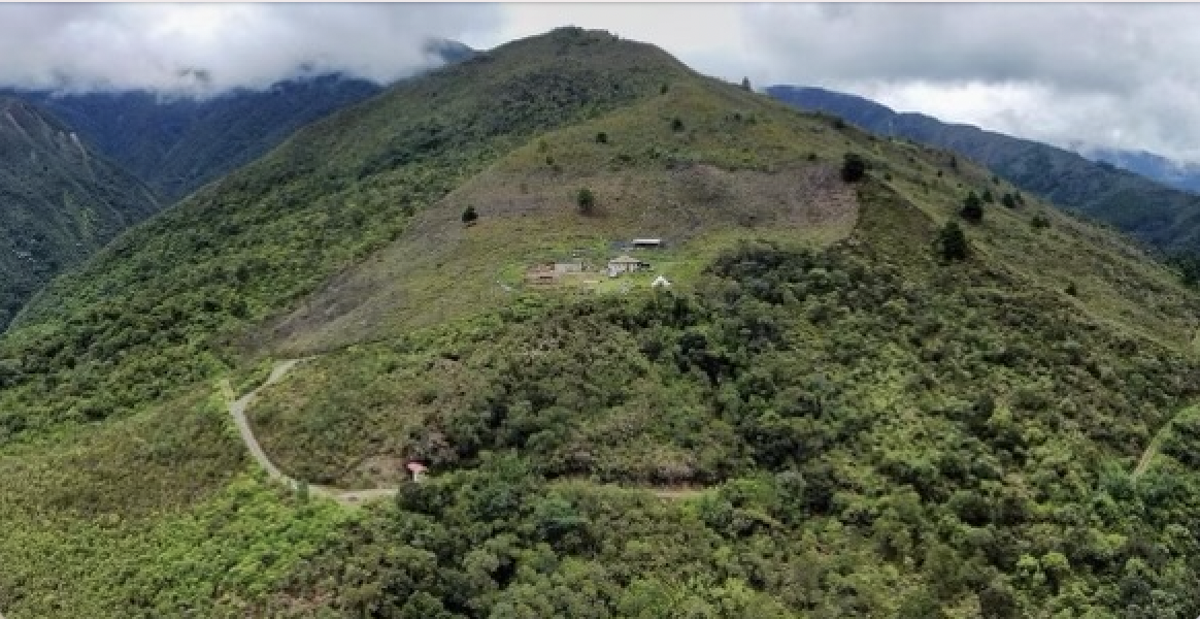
x: 1095, y: 74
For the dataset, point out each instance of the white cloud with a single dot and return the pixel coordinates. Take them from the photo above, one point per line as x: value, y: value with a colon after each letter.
x: 1098, y: 74
x: 155, y: 46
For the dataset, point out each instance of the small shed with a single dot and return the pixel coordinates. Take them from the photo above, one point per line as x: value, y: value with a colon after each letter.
x: 660, y: 282
x: 624, y: 264
x: 417, y: 471
x: 647, y: 243
x: 574, y: 266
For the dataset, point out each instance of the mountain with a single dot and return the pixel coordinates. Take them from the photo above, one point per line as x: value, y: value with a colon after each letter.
x: 61, y: 201
x: 848, y: 400
x: 177, y: 144
x: 1184, y: 176
x: 1164, y: 217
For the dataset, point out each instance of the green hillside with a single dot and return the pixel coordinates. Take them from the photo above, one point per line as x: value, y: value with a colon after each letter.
x: 824, y: 415
x: 61, y: 201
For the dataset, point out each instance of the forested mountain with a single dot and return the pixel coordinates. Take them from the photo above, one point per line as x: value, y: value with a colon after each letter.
x: 1163, y: 216
x: 874, y: 379
x: 178, y: 143
x: 1185, y: 176
x: 60, y: 201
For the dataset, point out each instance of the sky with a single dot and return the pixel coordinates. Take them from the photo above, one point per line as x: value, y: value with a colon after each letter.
x: 1082, y: 75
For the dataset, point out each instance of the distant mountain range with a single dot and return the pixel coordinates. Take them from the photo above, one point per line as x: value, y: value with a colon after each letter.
x: 1185, y: 176
x: 78, y: 169
x: 1163, y: 216
x: 61, y: 201
x: 177, y: 144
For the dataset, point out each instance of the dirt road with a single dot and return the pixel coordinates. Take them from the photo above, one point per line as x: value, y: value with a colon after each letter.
x: 237, y: 409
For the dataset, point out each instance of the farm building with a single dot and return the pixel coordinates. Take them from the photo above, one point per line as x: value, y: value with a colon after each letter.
x: 624, y: 264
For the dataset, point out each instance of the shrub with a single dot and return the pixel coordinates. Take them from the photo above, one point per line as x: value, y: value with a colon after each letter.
x: 854, y: 167
x: 586, y: 200
x: 1008, y: 200
x: 677, y: 124
x: 602, y: 138
x: 972, y: 208
x: 1040, y: 222
x: 952, y: 242
x: 469, y: 215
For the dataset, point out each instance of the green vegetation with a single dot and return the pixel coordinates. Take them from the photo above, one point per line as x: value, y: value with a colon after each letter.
x: 61, y: 202
x: 972, y: 208
x: 854, y: 167
x: 952, y: 242
x: 586, y: 201
x: 828, y: 414
x: 930, y: 433
x: 469, y: 215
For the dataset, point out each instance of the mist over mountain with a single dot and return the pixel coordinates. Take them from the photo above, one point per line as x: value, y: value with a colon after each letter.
x: 178, y: 142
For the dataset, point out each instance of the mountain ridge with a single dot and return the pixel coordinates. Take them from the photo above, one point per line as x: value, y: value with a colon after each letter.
x: 883, y: 407
x: 179, y: 142
x: 1159, y: 215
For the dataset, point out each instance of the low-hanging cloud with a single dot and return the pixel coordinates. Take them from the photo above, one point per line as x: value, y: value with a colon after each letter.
x: 1081, y: 74
x: 213, y: 47
x: 1070, y: 74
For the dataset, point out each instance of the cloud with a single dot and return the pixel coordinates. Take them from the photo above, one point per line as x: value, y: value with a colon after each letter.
x: 1091, y: 74
x: 1070, y: 74
x: 217, y: 46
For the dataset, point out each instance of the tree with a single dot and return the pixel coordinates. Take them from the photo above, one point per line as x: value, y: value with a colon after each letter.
x: 952, y: 242
x: 469, y: 216
x: 972, y: 209
x: 602, y: 138
x: 987, y: 196
x: 1008, y: 200
x: 854, y: 167
x: 677, y: 124
x: 746, y: 84
x: 586, y: 201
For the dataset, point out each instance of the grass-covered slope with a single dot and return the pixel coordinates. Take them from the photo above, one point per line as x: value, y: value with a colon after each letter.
x: 145, y: 316
x: 832, y: 418
x: 60, y: 201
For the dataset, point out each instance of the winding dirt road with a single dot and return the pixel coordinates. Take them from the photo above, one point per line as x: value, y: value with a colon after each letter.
x: 237, y: 409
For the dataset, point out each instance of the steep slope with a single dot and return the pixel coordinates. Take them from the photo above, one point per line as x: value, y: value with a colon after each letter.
x: 177, y: 144
x: 1162, y: 216
x: 833, y: 417
x: 61, y: 201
